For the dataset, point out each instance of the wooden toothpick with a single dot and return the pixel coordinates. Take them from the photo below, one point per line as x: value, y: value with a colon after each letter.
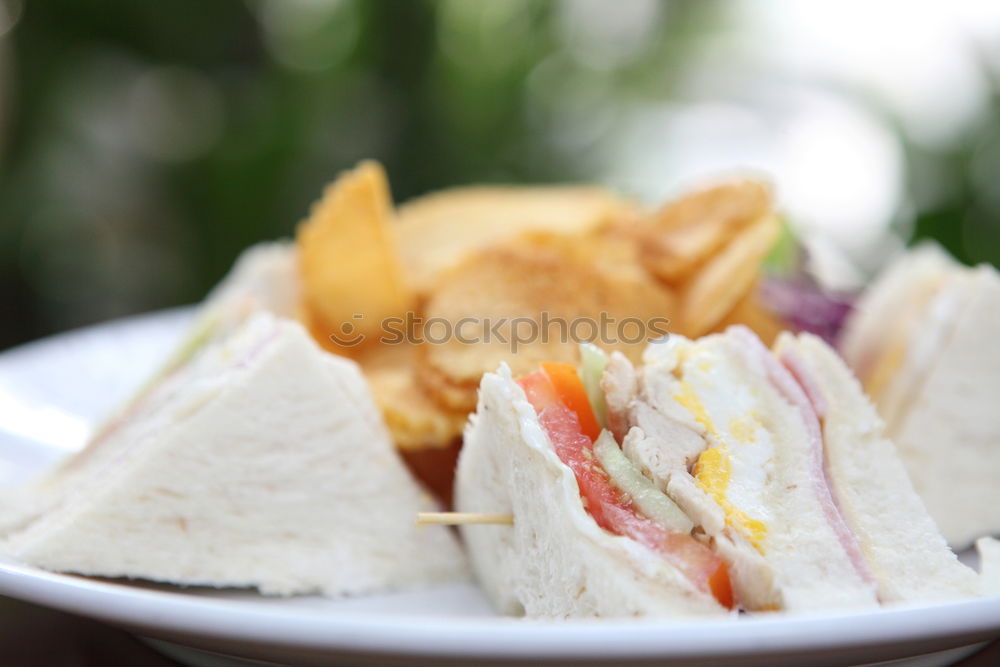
x: 464, y: 518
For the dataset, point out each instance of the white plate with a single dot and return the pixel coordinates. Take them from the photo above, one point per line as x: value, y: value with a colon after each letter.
x: 52, y: 392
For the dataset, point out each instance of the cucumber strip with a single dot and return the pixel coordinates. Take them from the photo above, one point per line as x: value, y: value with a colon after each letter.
x: 652, y: 502
x: 592, y: 362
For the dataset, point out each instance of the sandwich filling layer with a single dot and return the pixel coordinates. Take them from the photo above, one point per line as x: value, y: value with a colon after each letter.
x: 732, y: 435
x: 564, y: 411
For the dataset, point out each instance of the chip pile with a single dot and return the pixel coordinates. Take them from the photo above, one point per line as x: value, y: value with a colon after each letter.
x: 477, y: 265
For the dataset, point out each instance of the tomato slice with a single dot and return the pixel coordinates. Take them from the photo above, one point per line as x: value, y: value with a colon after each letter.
x: 611, y: 509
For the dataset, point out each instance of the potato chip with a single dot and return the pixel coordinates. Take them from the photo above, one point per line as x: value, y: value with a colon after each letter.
x: 719, y: 285
x: 751, y: 312
x: 428, y: 436
x: 438, y: 231
x: 531, y: 300
x: 349, y: 264
x: 413, y: 418
x: 516, y: 275
x: 684, y: 234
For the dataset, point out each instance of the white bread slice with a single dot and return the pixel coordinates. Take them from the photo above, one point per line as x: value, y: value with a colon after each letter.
x: 949, y: 437
x: 266, y: 274
x: 261, y: 463
x: 922, y: 341
x: 907, y: 555
x: 554, y: 561
x: 989, y: 564
x: 263, y: 278
x: 889, y: 308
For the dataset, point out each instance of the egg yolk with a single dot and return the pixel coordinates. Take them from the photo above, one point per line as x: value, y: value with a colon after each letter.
x: 712, y: 472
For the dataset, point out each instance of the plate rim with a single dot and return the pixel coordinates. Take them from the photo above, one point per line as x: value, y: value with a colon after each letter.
x: 174, y: 612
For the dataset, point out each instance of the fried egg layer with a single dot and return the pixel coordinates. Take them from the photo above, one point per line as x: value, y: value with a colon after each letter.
x: 735, y: 468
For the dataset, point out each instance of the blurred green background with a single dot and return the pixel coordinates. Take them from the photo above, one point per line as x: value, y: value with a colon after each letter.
x: 143, y: 145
